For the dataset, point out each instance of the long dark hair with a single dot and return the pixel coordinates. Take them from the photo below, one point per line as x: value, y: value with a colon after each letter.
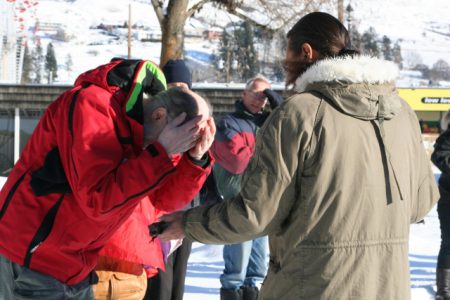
x: 324, y: 33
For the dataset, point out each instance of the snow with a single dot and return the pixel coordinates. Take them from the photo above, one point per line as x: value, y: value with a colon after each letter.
x: 424, y: 247
x: 421, y: 27
x: 2, y: 181
x: 206, y: 264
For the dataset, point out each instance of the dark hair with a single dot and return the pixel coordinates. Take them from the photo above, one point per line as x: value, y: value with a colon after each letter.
x: 324, y: 33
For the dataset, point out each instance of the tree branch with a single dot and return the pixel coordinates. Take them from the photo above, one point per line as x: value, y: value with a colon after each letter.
x: 195, y: 8
x: 158, y: 7
x: 265, y: 27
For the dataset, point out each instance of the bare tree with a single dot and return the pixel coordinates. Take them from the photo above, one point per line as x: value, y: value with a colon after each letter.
x: 269, y: 15
x: 413, y: 59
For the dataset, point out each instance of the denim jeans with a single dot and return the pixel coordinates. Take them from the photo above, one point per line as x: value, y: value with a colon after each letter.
x: 245, y: 263
x: 17, y: 282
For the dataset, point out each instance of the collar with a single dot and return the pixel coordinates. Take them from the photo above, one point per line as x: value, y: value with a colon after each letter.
x: 348, y: 69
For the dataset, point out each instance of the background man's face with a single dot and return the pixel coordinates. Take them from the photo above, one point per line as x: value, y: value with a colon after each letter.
x: 254, y: 99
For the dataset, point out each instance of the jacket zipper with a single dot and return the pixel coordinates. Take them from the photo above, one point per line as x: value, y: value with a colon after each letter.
x: 43, y: 232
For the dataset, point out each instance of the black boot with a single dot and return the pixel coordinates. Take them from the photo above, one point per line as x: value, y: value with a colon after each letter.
x: 443, y: 284
x: 250, y: 292
x: 229, y: 294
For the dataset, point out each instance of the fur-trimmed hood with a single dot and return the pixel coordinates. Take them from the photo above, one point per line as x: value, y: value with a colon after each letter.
x: 356, y: 85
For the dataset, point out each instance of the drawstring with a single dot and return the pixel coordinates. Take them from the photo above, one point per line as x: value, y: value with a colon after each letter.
x: 381, y: 116
x: 385, y: 156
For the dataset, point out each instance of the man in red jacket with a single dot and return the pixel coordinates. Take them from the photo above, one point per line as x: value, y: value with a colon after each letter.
x: 169, y: 282
x: 99, y: 149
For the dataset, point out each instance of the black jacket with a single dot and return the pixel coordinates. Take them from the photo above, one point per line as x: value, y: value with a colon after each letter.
x: 441, y: 158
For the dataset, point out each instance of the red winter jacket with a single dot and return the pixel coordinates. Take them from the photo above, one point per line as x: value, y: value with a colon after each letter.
x: 83, y: 172
x: 132, y: 243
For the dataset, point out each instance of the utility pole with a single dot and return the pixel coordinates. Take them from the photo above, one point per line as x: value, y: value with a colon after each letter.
x: 349, y: 10
x: 129, y: 31
x: 340, y: 10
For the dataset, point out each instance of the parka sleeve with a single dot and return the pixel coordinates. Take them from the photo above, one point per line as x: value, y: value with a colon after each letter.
x: 179, y: 189
x: 268, y: 185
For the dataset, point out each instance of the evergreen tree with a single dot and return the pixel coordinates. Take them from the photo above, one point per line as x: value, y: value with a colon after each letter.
x: 369, y: 42
x: 26, y: 66
x: 387, y: 48
x: 397, y: 55
x: 247, y: 57
x: 51, y: 67
x: 237, y: 52
x: 37, y: 58
x: 68, y: 64
x: 277, y: 66
x: 226, y: 54
x: 355, y: 39
x: 278, y: 71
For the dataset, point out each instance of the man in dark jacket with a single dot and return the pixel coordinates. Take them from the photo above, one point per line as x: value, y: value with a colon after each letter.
x: 441, y: 158
x: 245, y: 263
x: 169, y: 283
x: 98, y: 150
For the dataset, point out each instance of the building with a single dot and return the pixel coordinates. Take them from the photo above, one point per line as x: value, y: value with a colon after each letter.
x: 430, y: 105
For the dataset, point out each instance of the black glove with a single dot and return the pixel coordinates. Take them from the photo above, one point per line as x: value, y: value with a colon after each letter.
x: 157, y: 228
x: 274, y: 98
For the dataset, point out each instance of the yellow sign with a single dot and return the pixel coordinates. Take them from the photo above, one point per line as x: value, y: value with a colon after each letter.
x: 426, y: 99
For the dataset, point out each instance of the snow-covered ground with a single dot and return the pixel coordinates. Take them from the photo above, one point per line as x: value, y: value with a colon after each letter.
x: 205, y: 263
x: 423, y: 251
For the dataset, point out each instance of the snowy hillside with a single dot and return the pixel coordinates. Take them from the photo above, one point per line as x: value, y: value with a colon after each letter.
x: 422, y: 27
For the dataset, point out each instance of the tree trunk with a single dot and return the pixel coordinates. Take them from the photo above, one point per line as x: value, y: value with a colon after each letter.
x: 172, y: 40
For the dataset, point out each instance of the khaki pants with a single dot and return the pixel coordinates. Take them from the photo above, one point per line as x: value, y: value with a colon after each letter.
x: 120, y: 286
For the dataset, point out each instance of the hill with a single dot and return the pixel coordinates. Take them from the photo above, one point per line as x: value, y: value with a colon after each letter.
x: 88, y: 31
